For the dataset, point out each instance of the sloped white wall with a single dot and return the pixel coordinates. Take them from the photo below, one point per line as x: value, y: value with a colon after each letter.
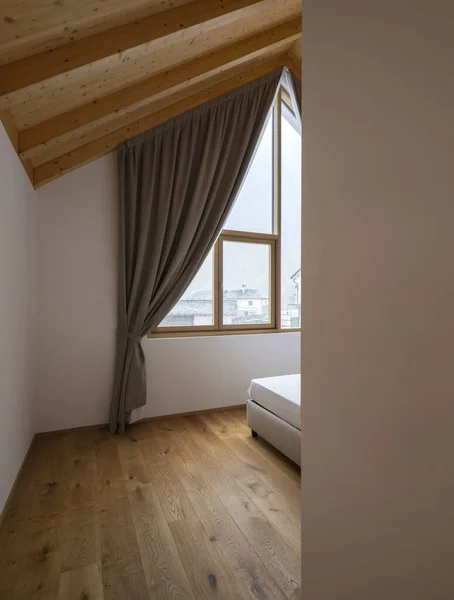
x: 17, y: 305
x: 76, y: 253
x: 378, y: 298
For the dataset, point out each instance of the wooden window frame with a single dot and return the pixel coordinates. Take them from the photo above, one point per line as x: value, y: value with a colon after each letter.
x: 269, y: 240
x: 273, y: 240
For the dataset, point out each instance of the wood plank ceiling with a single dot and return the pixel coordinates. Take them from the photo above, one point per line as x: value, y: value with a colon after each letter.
x: 78, y: 77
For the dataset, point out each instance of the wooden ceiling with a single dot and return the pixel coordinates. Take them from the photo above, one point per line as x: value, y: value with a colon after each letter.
x: 78, y: 77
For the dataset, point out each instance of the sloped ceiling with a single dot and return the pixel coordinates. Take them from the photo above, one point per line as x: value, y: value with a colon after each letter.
x: 78, y: 78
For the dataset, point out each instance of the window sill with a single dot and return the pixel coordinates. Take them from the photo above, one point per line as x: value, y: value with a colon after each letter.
x: 210, y: 333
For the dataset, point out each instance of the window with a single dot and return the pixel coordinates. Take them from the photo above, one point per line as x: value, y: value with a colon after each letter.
x: 253, y: 208
x: 290, y: 221
x: 251, y: 279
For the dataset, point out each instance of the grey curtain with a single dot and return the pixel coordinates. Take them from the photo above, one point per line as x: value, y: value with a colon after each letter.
x: 178, y: 183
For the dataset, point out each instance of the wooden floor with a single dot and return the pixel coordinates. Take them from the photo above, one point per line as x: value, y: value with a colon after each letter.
x: 187, y: 508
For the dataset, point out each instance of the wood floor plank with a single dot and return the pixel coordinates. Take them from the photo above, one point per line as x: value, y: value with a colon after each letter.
x: 164, y: 572
x: 20, y: 504
x: 83, y: 583
x: 171, y: 494
x: 175, y: 424
x: 265, y: 449
x: 12, y: 546
x: 168, y: 447
x: 49, y: 495
x: 141, y: 430
x: 155, y: 446
x: 122, y: 570
x: 268, y: 500
x: 79, y: 473
x: 273, y: 476
x: 223, y: 424
x: 207, y: 575
x: 164, y: 425
x: 239, y: 413
x: 110, y: 482
x: 220, y: 480
x: 131, y: 460
x: 187, y: 471
x: 177, y: 509
x: 273, y: 455
x: 79, y: 539
x: 281, y: 561
x: 279, y: 558
x: 40, y: 567
x: 255, y: 463
x: 238, y: 556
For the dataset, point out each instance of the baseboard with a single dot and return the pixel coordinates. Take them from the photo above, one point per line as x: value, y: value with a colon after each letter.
x: 69, y: 429
x: 191, y: 413
x: 145, y: 419
x: 13, y: 487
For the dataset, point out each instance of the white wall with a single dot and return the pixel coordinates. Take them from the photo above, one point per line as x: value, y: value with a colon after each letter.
x: 378, y: 298
x: 17, y: 304
x: 76, y: 253
x: 189, y: 374
x: 76, y: 296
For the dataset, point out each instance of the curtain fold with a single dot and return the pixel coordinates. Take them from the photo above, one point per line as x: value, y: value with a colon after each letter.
x: 178, y: 183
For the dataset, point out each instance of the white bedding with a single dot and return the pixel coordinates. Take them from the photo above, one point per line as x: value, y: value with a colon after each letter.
x: 280, y: 395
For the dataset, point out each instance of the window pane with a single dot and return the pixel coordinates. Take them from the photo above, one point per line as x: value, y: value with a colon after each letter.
x: 253, y: 208
x: 291, y: 223
x: 195, y: 307
x: 246, y: 283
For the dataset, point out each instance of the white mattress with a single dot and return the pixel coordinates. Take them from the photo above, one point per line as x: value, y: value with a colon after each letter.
x: 280, y: 395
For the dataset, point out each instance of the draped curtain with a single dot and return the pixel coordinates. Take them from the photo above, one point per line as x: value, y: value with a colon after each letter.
x: 178, y: 183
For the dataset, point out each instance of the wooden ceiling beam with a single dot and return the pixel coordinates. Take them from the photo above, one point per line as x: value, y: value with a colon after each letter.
x: 206, y: 65
x: 290, y: 61
x: 99, y: 147
x: 51, y: 63
x: 85, y: 135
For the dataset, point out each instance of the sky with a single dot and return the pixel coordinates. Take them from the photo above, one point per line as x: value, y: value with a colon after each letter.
x: 248, y: 264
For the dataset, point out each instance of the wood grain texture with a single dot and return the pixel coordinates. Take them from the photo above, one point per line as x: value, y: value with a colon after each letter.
x: 86, y: 134
x: 271, y: 503
x: 281, y: 560
x: 164, y: 111
x: 241, y: 561
x: 126, y: 99
x: 40, y: 566
x: 79, y: 541
x: 81, y: 53
x: 85, y: 582
x: 164, y: 572
x: 208, y: 576
x: 294, y: 64
x: 122, y: 570
x: 166, y: 512
x: 78, y: 78
x: 51, y: 97
x: 32, y: 26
